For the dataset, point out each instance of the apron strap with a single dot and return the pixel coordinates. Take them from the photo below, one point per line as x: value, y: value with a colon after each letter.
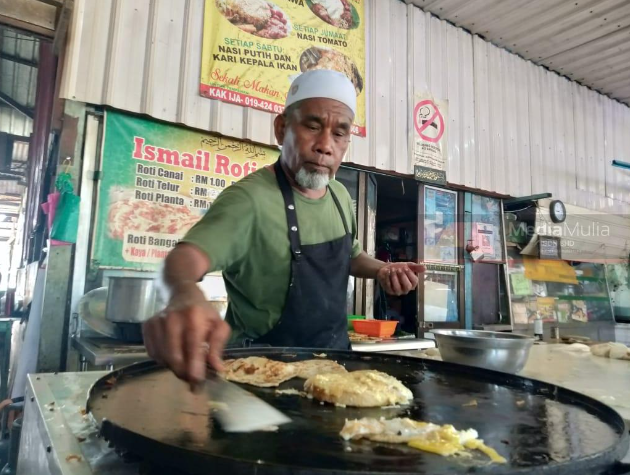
x: 341, y: 213
x: 289, y: 204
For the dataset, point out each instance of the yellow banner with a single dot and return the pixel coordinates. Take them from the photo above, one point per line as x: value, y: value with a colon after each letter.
x: 254, y: 49
x: 549, y: 271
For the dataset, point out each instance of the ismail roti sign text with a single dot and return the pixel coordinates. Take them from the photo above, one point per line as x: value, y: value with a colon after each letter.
x: 200, y: 161
x: 158, y: 181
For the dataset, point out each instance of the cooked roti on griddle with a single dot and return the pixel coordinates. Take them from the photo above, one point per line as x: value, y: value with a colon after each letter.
x: 367, y: 388
x: 259, y: 371
x: 309, y: 368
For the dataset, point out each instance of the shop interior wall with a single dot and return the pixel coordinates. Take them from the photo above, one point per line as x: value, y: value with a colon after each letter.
x: 513, y: 127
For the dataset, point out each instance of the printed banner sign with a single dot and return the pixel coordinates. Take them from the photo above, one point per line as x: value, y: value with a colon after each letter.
x: 549, y: 247
x: 254, y: 49
x: 157, y: 181
x: 549, y: 271
x: 521, y: 286
x: 483, y: 238
x: 546, y: 308
x: 429, y: 140
x: 440, y: 225
x: 429, y: 175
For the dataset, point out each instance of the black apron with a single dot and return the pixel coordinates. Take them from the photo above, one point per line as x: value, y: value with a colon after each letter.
x: 314, y: 313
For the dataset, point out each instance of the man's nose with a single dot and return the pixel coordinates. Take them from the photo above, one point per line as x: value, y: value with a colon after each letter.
x: 324, y: 143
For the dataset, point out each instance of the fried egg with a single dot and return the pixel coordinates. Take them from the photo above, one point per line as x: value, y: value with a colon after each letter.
x: 443, y: 440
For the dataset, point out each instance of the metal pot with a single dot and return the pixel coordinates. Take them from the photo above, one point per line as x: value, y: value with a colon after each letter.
x: 507, y: 352
x: 92, y: 310
x: 132, y: 299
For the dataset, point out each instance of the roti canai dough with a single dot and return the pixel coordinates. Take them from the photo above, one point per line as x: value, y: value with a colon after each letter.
x: 259, y: 371
x: 368, y: 388
x: 615, y: 351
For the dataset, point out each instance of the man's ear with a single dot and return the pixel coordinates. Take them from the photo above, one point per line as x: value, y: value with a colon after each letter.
x: 279, y: 127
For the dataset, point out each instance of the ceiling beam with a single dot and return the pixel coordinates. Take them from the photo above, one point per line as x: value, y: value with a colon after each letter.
x: 54, y: 3
x: 27, y: 111
x: 17, y: 59
x: 12, y: 176
x: 29, y: 16
x: 18, y: 138
x: 61, y: 28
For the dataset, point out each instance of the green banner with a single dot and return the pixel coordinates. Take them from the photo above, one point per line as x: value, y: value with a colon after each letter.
x: 157, y: 180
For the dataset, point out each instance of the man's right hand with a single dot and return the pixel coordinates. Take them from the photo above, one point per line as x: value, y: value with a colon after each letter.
x: 186, y: 335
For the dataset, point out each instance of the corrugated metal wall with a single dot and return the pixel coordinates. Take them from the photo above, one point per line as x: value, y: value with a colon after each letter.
x: 11, y: 187
x: 14, y: 122
x: 515, y: 128
x: 585, y: 40
x: 440, y: 61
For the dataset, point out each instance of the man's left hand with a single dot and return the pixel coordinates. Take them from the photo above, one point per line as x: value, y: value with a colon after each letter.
x: 399, y: 278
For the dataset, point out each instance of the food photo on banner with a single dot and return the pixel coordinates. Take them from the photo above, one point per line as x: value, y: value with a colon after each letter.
x: 157, y: 181
x: 254, y: 49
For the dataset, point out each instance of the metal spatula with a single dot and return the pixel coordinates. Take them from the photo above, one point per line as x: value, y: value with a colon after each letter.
x: 239, y: 410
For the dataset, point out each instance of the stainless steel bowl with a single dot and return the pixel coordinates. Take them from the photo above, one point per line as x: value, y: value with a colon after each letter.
x: 507, y: 352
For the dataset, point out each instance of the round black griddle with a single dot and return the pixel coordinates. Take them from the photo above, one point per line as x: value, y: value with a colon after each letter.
x: 540, y: 428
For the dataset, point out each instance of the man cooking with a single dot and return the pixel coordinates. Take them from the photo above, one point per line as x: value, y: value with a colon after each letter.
x: 285, y: 238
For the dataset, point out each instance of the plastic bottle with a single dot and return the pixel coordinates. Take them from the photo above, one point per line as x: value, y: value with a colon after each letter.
x: 538, y: 328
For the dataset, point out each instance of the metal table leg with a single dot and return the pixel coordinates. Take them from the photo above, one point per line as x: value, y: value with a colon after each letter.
x: 83, y: 365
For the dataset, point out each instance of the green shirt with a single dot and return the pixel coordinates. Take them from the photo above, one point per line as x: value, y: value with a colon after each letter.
x: 245, y: 235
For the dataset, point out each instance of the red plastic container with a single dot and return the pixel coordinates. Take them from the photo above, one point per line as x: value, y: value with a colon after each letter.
x: 379, y: 328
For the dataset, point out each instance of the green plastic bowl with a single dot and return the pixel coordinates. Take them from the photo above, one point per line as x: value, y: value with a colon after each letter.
x: 354, y: 317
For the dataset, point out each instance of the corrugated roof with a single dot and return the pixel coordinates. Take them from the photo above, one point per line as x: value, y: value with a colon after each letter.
x: 586, y: 40
x: 19, y: 163
x: 19, y: 55
x: 14, y: 122
x: 12, y: 188
x: 20, y: 151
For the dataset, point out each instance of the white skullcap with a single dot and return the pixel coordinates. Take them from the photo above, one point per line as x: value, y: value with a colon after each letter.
x: 323, y: 83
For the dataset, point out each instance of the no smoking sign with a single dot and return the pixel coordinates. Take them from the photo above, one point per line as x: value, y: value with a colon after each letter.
x: 428, y: 121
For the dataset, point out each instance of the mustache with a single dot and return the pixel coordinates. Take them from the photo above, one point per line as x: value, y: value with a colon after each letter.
x: 317, y: 163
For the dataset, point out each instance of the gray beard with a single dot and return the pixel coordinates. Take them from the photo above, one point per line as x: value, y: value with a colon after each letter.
x: 311, y: 180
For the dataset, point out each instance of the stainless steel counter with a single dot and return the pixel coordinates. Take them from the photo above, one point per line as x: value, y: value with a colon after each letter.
x: 107, y: 352
x: 57, y: 437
